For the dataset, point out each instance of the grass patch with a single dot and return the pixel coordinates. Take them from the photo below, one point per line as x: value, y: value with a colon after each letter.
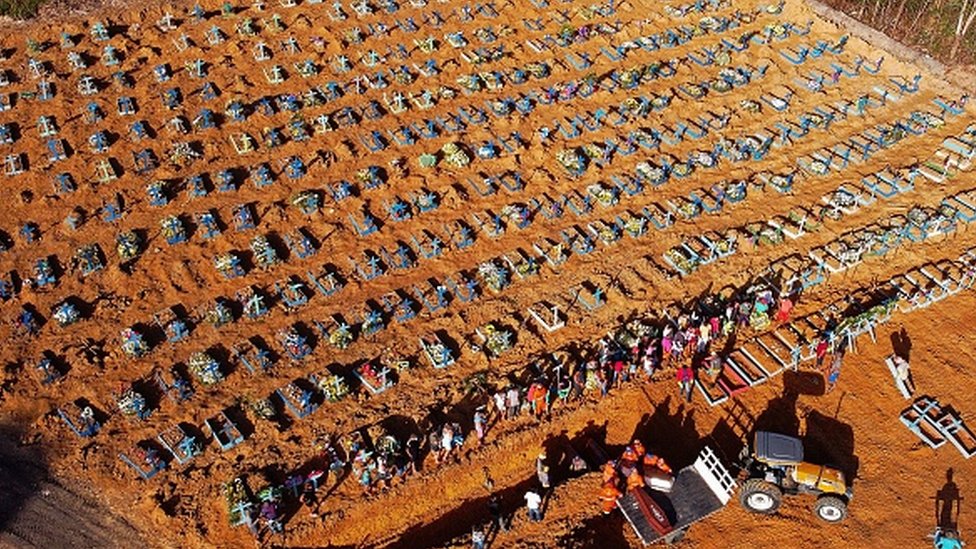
x: 20, y: 9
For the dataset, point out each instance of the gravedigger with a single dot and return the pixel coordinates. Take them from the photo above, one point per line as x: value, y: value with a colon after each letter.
x: 774, y: 466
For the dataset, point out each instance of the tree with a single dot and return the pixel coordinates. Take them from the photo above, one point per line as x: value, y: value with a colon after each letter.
x: 967, y: 14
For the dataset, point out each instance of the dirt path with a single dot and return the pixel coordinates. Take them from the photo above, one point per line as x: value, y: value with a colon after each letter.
x: 37, y: 511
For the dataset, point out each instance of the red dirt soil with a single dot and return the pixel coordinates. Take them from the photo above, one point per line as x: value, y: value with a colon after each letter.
x: 855, y: 426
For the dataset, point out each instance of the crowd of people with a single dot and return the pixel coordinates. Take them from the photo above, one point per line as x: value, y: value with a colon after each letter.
x: 689, y: 344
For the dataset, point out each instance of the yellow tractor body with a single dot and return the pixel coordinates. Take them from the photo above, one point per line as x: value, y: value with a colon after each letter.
x: 824, y: 479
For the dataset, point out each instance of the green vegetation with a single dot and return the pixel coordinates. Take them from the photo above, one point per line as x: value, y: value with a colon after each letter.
x: 942, y: 28
x: 19, y: 9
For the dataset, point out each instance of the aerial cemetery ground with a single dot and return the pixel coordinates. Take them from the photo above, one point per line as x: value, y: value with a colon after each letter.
x: 235, y: 238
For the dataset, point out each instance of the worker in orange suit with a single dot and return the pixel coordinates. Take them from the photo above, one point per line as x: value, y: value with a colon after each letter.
x: 608, y: 497
x: 638, y: 449
x: 609, y: 472
x: 635, y: 480
x: 653, y: 462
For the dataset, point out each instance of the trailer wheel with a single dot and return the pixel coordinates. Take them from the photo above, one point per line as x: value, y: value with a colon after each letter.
x: 759, y: 496
x: 830, y: 509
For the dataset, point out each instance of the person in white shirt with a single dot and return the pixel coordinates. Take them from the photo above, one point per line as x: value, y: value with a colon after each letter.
x: 533, y: 502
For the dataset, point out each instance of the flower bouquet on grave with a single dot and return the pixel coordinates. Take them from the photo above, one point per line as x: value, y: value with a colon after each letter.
x: 354, y: 35
x: 235, y: 494
x: 571, y: 160
x: 131, y: 403
x: 340, y: 337
x: 264, y: 255
x: 629, y: 78
x: 604, y: 196
x: 500, y: 108
x: 334, y: 387
x: 782, y: 183
x: 133, y: 344
x: 689, y: 209
x: 776, y: 30
x: 631, y: 107
x: 701, y: 158
x: 750, y: 105
x: 469, y: 82
x: 848, y: 254
x: 829, y: 212
x: 455, y: 155
x: 726, y: 245
x: 427, y: 160
x: 635, y: 226
x: 228, y: 265
x: 771, y: 235
x: 596, y: 152
x: 205, y: 368
x: 294, y: 344
x: 679, y: 261
x: 733, y: 76
x: 538, y: 70
x: 497, y: 340
x: 219, y: 314
x: 695, y: 91
x: 659, y: 102
x: 816, y: 119
x: 930, y: 120
x: 375, y: 378
x: 736, y: 190
x: 517, y: 214
x: 127, y: 245
x: 65, y: 314
x: 172, y: 229
x: 494, y: 277
x: 306, y: 201
x: 263, y: 408
x: 720, y: 85
x: 651, y: 173
x: 608, y: 233
x: 682, y: 169
x: 292, y: 391
x: 918, y: 216
x: 527, y: 267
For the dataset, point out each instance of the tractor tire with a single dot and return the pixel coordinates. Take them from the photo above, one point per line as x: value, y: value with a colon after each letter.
x: 830, y: 509
x: 759, y: 496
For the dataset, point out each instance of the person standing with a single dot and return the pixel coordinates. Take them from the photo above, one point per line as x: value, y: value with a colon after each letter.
x: 834, y: 373
x: 533, y: 502
x: 495, y: 509
x: 685, y: 377
x: 480, y: 424
x: 477, y: 538
x: 512, y: 402
x: 310, y: 499
x: 542, y: 470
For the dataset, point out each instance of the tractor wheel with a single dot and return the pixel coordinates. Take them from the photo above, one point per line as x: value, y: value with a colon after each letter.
x: 830, y: 509
x: 759, y: 496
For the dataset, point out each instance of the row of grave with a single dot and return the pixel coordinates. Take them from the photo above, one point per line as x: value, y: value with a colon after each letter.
x: 110, y: 57
x: 164, y: 71
x: 172, y: 99
x: 308, y: 202
x: 849, y: 198
x: 794, y: 343
x: 302, y: 246
x: 494, y: 275
x: 44, y: 271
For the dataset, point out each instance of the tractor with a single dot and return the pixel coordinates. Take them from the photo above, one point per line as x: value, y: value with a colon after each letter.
x: 774, y: 466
